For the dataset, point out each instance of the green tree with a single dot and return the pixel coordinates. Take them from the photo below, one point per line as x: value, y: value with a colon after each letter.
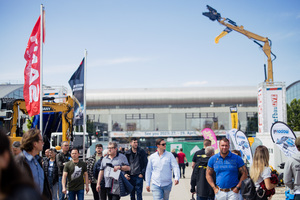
x: 293, y: 115
x: 29, y: 122
x: 90, y: 128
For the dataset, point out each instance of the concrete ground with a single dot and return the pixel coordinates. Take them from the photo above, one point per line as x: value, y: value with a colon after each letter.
x: 182, y: 190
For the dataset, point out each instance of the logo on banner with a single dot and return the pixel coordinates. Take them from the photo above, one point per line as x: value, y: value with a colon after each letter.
x: 274, y: 98
x: 283, y: 136
x: 281, y: 131
x: 176, y: 147
x: 194, y: 150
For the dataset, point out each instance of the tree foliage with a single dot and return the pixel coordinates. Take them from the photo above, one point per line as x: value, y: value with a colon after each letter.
x: 293, y: 115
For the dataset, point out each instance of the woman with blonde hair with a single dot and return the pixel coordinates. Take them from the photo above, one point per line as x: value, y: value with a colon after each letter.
x: 260, y: 172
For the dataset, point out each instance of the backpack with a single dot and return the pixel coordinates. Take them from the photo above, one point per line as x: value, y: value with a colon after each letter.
x: 248, y: 189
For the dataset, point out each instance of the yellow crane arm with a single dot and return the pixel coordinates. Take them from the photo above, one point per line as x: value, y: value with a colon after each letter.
x: 220, y: 36
x: 266, y: 47
x: 214, y: 15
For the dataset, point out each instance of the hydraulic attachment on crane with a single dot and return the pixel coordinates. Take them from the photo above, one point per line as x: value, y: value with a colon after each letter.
x: 231, y: 25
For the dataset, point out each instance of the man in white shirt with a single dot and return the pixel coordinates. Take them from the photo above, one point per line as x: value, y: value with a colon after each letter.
x: 159, y: 169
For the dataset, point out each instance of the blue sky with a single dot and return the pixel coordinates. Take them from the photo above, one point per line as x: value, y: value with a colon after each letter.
x: 152, y: 43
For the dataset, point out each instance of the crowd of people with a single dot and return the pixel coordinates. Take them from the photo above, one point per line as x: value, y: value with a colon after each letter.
x: 113, y: 172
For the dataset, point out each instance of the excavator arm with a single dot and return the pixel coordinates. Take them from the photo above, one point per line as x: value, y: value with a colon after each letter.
x: 66, y: 108
x: 231, y: 25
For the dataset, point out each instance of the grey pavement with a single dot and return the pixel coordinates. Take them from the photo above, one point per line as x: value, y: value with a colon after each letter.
x: 182, y: 190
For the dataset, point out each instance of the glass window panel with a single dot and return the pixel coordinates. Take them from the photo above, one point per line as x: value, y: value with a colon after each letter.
x: 178, y: 122
x: 161, y: 122
x: 119, y: 123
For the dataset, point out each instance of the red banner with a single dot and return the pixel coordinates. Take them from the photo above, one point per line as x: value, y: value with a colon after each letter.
x: 31, y: 89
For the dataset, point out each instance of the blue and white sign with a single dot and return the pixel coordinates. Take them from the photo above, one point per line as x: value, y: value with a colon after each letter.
x: 284, y: 137
x: 244, y: 145
x: 230, y: 135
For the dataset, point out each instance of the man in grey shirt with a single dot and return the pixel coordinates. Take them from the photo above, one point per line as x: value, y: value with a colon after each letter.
x: 116, y: 161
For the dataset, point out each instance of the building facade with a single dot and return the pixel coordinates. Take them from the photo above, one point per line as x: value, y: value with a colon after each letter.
x: 177, y: 114
x: 293, y: 92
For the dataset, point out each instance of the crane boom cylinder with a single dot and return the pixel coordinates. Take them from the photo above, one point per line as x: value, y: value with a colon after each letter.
x: 214, y: 15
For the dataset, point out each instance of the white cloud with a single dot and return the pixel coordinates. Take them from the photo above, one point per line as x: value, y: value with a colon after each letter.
x: 286, y: 35
x: 195, y: 83
x: 117, y: 61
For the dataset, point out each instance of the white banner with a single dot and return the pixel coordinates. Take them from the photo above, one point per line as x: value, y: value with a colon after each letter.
x: 283, y: 136
x: 230, y: 135
x: 274, y: 105
x: 244, y: 145
x: 260, y: 110
x: 115, y: 134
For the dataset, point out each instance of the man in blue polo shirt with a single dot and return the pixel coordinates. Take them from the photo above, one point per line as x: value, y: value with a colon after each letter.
x: 227, y: 166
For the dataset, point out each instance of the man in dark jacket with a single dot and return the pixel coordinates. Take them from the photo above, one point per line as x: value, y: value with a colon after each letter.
x: 90, y: 166
x: 199, y: 153
x: 96, y: 170
x: 51, y: 171
x: 137, y: 159
x: 63, y: 157
x: 198, y: 179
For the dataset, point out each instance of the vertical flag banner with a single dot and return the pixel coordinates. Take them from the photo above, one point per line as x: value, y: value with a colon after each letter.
x: 77, y: 85
x: 261, y: 109
x: 283, y: 136
x: 230, y: 135
x: 31, y: 90
x: 244, y: 145
x: 234, y: 117
x: 209, y: 134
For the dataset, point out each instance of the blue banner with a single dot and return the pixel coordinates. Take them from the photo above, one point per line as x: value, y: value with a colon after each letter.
x: 77, y: 85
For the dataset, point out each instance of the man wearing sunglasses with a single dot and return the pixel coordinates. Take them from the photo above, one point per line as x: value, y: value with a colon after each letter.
x: 159, y: 170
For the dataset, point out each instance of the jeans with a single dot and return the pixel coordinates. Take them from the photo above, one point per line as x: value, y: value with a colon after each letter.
x: 181, y: 166
x: 161, y: 193
x: 61, y: 195
x: 205, y: 198
x: 137, y: 184
x: 297, y: 197
x: 103, y: 194
x: 227, y: 195
x: 79, y: 193
x: 112, y: 196
x: 54, y: 190
x: 95, y: 193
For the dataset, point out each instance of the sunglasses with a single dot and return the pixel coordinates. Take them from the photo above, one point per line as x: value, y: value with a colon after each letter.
x: 164, y: 144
